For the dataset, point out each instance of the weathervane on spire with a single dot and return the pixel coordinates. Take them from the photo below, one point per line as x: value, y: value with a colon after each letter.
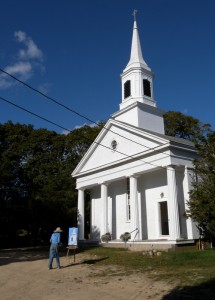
x: 134, y: 14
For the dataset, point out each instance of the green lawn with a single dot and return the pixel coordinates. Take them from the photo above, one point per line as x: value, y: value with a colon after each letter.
x: 189, y: 267
x: 191, y: 272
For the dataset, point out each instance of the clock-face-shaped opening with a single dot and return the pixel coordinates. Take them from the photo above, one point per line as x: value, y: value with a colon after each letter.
x: 114, y: 144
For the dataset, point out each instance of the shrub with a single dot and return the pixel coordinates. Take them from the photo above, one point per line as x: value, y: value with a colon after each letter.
x: 125, y: 236
x: 106, y: 237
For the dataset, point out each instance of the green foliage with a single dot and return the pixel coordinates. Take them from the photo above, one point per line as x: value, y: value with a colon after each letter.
x: 106, y: 237
x: 179, y: 125
x: 202, y: 197
x: 37, y: 192
x: 125, y: 236
x: 188, y: 266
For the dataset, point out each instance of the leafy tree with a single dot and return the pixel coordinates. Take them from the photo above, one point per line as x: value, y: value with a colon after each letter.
x: 79, y: 140
x: 12, y: 184
x: 202, y: 197
x: 186, y: 127
x: 37, y: 192
x: 50, y: 183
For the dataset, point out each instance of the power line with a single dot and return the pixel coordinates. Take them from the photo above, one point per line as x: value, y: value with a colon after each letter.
x: 66, y: 107
x: 82, y: 116
x: 62, y: 127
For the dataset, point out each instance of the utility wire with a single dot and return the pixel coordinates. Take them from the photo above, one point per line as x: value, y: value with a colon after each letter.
x: 68, y: 108
x: 62, y: 127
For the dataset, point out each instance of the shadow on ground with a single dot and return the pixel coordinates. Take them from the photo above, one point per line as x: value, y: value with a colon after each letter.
x: 9, y: 256
x: 84, y: 262
x: 205, y: 290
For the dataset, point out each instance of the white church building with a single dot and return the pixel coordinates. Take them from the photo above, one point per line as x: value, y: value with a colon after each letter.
x: 138, y: 177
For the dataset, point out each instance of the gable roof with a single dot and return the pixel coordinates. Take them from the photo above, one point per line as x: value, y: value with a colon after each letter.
x: 131, y: 142
x: 167, y: 137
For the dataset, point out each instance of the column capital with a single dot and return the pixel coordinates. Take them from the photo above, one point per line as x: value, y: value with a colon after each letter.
x: 187, y: 168
x: 173, y: 166
x: 133, y: 175
x: 105, y: 183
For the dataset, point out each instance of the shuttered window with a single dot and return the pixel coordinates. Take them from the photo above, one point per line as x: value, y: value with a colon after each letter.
x: 127, y: 89
x: 147, y: 87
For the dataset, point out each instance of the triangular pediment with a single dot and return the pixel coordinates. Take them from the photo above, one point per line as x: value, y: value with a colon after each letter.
x: 130, y: 142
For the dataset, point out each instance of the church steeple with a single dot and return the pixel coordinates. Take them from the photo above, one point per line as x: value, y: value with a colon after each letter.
x: 137, y: 77
x: 136, y: 58
x: 138, y: 106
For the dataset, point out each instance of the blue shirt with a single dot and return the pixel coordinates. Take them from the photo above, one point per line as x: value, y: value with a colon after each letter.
x: 55, y: 238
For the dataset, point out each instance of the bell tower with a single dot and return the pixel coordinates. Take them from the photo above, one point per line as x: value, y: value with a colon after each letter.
x: 137, y: 77
x: 138, y: 106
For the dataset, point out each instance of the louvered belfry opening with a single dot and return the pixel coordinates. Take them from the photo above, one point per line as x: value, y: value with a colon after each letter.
x: 147, y: 87
x: 127, y: 89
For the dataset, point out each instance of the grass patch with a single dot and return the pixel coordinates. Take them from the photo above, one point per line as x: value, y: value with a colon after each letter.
x: 189, y: 267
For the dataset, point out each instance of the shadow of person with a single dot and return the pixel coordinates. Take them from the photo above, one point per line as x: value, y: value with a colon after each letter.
x: 87, y: 261
x: 93, y: 261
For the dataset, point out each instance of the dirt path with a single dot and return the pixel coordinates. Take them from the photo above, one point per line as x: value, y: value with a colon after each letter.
x: 25, y: 276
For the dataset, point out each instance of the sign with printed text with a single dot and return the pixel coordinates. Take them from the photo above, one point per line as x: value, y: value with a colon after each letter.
x: 73, y: 236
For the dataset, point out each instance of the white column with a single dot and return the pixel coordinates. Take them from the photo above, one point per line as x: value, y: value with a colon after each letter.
x: 173, y: 212
x: 186, y: 188
x: 104, y: 198
x: 134, y: 208
x: 81, y: 214
x: 139, y: 208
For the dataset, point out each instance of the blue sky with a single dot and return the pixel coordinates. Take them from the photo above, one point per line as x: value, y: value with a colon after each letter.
x: 75, y: 51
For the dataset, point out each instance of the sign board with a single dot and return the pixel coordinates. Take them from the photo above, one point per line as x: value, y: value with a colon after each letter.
x: 73, y: 236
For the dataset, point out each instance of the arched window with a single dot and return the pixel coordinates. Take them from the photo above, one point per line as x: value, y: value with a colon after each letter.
x: 127, y: 89
x: 147, y: 87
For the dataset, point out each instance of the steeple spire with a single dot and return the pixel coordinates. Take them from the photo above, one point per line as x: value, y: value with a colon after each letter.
x: 137, y: 77
x: 136, y: 58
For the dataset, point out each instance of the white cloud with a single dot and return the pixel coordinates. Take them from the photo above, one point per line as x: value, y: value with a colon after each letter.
x: 77, y: 127
x: 4, y: 83
x: 32, y: 51
x: 66, y: 132
x: 28, y: 59
x: 23, y: 69
x: 85, y: 124
x: 20, y: 35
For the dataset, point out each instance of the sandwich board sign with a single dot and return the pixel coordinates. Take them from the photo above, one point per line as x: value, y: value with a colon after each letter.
x: 73, y: 236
